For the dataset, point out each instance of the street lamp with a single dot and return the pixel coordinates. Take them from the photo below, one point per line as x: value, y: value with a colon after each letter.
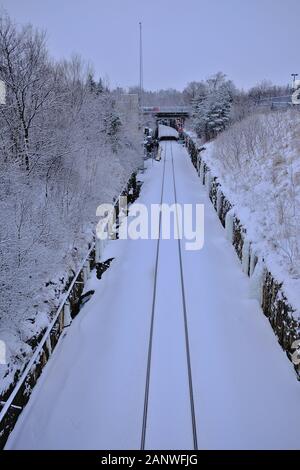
x: 294, y: 75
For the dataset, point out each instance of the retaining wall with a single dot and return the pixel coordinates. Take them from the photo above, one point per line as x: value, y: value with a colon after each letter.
x: 273, y: 301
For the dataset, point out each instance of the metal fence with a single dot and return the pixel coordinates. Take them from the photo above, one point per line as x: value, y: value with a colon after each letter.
x: 67, y: 310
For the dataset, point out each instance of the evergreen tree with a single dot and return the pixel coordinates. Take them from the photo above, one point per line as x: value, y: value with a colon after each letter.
x: 91, y: 84
x: 100, y: 86
x: 212, y: 106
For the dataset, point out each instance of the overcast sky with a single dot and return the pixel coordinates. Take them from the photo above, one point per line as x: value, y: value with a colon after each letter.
x: 184, y: 40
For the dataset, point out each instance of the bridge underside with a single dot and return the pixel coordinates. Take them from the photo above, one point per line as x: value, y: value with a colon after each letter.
x: 173, y: 116
x: 175, y: 120
x: 170, y: 115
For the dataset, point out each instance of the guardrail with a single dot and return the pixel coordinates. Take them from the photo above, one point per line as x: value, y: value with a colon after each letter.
x: 12, y: 407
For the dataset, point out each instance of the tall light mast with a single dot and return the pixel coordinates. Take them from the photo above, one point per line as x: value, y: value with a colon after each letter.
x: 141, y: 66
x: 294, y: 75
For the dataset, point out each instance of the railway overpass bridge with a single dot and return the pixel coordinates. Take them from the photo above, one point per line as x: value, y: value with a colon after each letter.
x: 174, y: 116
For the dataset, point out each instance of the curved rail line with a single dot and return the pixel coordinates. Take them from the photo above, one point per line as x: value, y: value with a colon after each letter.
x: 187, y: 344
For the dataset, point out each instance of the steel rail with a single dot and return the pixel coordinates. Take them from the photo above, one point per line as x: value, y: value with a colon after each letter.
x: 185, y: 317
x: 186, y: 333
x: 149, y: 357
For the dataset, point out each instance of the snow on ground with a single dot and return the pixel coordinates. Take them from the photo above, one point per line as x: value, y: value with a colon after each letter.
x: 166, y: 131
x: 49, y: 216
x: 258, y: 164
x: 91, y: 394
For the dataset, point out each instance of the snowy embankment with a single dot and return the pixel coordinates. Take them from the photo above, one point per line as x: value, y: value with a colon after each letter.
x: 257, y: 163
x: 32, y: 288
x: 245, y: 393
x: 68, y: 144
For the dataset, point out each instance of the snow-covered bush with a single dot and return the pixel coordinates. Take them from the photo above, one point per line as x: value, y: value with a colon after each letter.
x: 212, y: 106
x: 65, y: 147
x: 258, y: 163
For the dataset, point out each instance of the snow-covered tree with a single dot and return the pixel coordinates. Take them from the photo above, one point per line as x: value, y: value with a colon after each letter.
x: 66, y: 146
x: 212, y: 106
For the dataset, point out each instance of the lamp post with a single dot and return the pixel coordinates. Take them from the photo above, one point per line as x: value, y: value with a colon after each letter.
x: 294, y: 75
x: 141, y: 66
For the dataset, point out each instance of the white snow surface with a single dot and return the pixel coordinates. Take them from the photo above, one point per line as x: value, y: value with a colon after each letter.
x: 91, y: 393
x: 257, y: 162
x: 166, y: 131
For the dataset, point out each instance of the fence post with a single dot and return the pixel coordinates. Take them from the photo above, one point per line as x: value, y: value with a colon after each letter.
x: 86, y: 271
x: 98, y: 249
x: 48, y: 346
x: 67, y: 314
x: 208, y: 181
x: 220, y: 202
x: 198, y: 164
x: 201, y: 172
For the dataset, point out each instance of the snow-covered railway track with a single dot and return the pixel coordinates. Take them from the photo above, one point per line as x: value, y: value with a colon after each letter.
x: 181, y: 333
x: 101, y: 363
x: 186, y: 328
x: 149, y: 357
